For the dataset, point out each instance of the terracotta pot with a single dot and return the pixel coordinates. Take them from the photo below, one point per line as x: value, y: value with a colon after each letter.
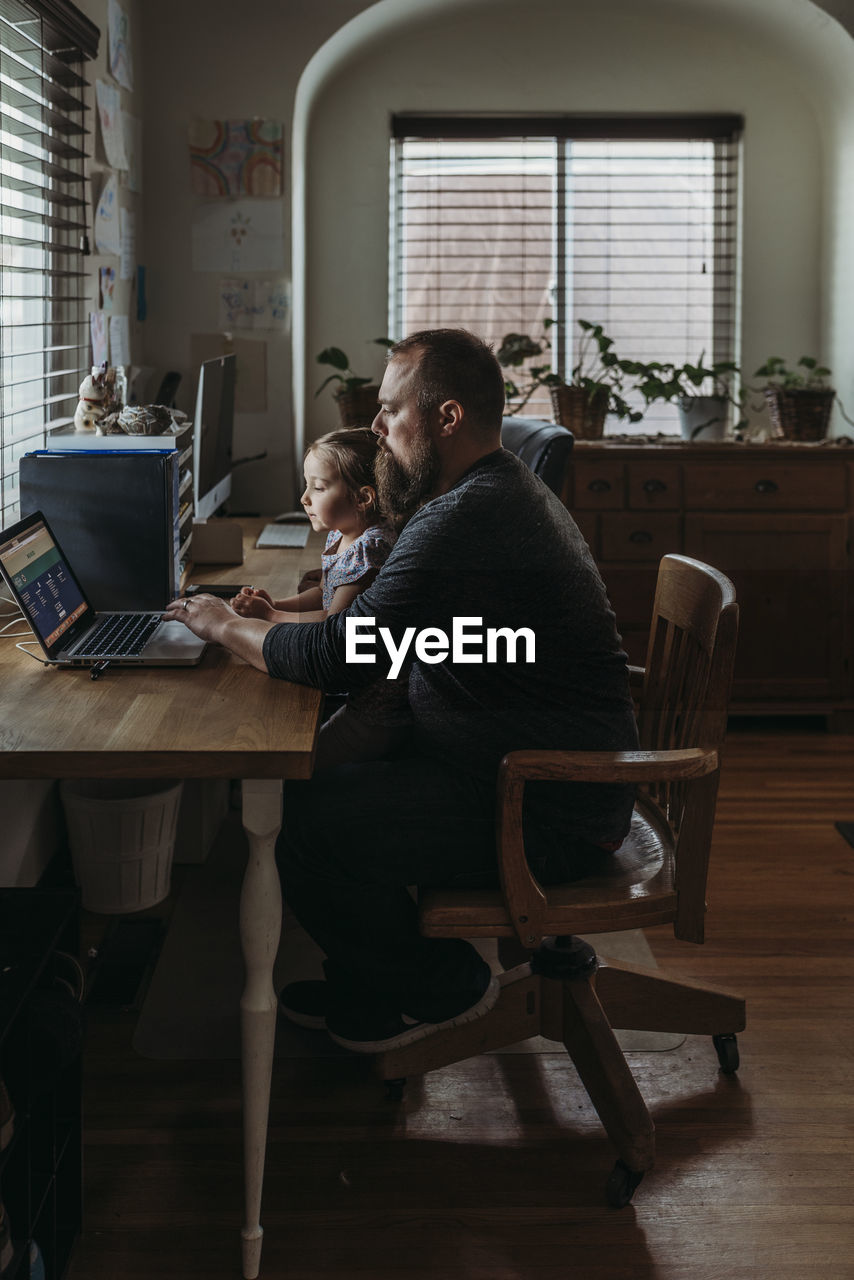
x: 800, y: 415
x: 584, y: 414
x: 358, y: 407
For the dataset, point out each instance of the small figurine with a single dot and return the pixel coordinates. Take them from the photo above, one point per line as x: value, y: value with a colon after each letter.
x: 90, y: 407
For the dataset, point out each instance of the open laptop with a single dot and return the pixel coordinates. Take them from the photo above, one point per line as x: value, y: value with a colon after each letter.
x: 66, y: 626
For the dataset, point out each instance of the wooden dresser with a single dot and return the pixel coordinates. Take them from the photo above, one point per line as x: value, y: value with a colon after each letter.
x: 776, y: 518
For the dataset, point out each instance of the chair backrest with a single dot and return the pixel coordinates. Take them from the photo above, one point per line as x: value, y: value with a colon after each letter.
x: 542, y: 446
x: 684, y: 703
x: 690, y: 657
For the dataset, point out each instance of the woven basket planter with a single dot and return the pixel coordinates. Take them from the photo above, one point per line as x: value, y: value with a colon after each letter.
x: 800, y: 415
x: 359, y: 407
x: 584, y: 414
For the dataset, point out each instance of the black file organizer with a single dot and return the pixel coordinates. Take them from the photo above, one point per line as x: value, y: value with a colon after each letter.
x: 115, y: 515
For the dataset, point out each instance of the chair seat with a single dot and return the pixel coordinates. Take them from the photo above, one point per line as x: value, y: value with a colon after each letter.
x: 635, y: 891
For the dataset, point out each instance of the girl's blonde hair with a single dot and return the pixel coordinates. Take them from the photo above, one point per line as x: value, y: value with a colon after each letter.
x: 353, y: 452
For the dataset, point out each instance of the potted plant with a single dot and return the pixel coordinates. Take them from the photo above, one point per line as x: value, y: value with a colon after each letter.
x: 594, y: 390
x: 702, y: 393
x: 356, y: 397
x: 514, y: 350
x: 799, y: 400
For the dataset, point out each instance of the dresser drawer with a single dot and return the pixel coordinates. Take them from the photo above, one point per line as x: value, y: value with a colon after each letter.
x: 766, y: 486
x: 655, y: 486
x: 588, y: 523
x: 631, y: 593
x: 598, y: 486
x: 640, y: 536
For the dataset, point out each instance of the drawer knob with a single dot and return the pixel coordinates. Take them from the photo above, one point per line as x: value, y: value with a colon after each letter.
x: 599, y: 486
x: 640, y: 536
x: 765, y: 486
x: 654, y: 486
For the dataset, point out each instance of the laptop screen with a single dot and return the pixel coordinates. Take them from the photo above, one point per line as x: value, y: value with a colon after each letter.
x: 46, y: 588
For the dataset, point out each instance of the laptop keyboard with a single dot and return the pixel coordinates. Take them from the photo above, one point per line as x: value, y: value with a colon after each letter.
x: 283, y: 535
x: 119, y: 635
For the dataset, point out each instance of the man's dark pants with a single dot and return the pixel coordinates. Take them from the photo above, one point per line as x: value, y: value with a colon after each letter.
x: 354, y: 838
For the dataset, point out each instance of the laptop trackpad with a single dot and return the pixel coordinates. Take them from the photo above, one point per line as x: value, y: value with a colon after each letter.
x: 173, y: 640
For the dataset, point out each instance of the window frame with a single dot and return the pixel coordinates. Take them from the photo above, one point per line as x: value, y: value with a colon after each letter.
x: 44, y: 206
x: 721, y: 129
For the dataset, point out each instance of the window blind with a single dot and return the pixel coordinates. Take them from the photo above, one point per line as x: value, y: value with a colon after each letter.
x: 631, y: 223
x: 44, y: 340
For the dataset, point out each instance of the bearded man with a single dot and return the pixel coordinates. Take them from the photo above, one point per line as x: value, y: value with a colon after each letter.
x: 486, y: 549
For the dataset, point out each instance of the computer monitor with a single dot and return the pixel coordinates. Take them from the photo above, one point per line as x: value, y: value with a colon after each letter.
x: 212, y: 438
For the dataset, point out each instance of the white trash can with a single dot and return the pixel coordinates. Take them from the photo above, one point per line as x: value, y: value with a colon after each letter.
x: 122, y: 838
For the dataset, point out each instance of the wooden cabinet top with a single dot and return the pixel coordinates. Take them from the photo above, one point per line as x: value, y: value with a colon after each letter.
x: 721, y: 476
x: 623, y: 448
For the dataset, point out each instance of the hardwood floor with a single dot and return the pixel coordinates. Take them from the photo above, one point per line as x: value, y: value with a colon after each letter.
x: 494, y: 1169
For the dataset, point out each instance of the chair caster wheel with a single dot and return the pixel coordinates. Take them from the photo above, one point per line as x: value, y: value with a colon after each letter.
x: 394, y: 1089
x: 621, y: 1185
x: 726, y: 1048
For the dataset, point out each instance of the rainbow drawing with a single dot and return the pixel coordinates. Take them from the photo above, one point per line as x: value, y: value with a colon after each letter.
x: 236, y: 157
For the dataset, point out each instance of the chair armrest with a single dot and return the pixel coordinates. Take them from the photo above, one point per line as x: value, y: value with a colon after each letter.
x: 523, y: 893
x: 636, y: 677
x: 606, y: 766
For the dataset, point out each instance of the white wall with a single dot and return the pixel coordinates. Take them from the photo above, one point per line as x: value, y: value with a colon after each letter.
x: 335, y: 70
x: 212, y: 59
x: 671, y: 56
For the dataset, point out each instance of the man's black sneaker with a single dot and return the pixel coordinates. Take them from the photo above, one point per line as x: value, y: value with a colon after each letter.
x: 306, y: 1003
x: 375, y: 1031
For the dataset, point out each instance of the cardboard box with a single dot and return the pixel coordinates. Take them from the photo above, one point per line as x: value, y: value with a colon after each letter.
x: 217, y: 542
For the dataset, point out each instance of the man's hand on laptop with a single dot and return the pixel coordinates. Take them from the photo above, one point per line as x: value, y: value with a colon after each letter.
x: 214, y: 620
x: 205, y: 615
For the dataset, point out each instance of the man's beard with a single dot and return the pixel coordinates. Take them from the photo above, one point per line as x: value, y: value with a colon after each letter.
x: 403, y: 488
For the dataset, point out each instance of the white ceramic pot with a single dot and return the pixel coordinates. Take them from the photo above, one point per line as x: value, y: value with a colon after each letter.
x: 704, y: 417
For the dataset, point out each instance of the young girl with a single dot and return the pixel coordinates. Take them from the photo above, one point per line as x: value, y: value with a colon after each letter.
x: 340, y: 495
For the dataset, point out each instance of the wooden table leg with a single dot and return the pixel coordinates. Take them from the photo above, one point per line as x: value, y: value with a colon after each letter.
x: 260, y: 929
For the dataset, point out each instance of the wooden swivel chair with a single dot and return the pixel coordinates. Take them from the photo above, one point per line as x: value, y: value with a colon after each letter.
x: 658, y: 876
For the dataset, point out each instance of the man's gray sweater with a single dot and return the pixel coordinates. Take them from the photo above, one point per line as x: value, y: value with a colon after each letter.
x: 501, y: 547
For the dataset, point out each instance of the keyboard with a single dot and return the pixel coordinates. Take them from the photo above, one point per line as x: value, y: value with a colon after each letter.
x: 119, y: 635
x: 283, y: 535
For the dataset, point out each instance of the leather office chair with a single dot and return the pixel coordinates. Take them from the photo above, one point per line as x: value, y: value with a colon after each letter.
x: 658, y: 876
x: 542, y: 446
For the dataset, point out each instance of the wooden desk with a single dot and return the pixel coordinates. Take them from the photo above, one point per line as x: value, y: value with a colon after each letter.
x: 222, y: 719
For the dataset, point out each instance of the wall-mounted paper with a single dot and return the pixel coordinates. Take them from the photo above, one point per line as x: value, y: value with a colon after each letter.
x: 111, y: 124
x: 120, y: 340
x: 107, y: 283
x: 243, y: 235
x: 132, y: 136
x: 119, y: 54
x: 107, y: 238
x: 253, y: 304
x: 127, y: 225
x: 250, y: 384
x: 236, y: 157
x: 100, y: 341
